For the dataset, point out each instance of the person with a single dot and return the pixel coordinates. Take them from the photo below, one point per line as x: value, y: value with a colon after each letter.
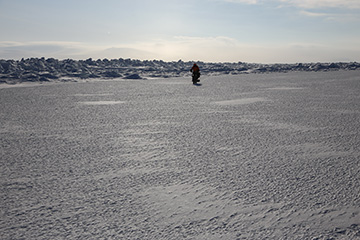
x: 196, y: 72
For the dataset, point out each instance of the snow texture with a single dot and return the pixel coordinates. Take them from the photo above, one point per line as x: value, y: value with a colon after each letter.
x: 256, y: 156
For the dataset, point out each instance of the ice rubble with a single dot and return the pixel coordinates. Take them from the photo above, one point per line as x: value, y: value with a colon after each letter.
x: 45, y: 70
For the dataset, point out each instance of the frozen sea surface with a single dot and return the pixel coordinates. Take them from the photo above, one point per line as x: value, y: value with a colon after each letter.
x: 260, y: 156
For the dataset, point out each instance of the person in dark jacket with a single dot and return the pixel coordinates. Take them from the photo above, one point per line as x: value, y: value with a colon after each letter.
x: 195, y: 73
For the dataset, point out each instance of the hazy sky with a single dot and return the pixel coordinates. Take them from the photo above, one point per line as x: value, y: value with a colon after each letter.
x: 265, y: 31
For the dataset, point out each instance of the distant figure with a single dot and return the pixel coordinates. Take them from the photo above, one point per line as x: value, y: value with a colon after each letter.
x: 195, y: 73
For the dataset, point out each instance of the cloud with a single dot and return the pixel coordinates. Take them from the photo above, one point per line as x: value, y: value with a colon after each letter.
x: 208, y: 49
x: 308, y: 4
x: 16, y: 50
x: 244, y: 1
x: 225, y: 49
x: 312, y: 4
x: 338, y: 17
x: 315, y: 14
x: 75, y: 50
x: 120, y: 52
x: 305, y: 5
x: 191, y: 48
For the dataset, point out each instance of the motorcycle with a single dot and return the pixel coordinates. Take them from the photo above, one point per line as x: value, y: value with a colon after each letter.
x: 195, y: 77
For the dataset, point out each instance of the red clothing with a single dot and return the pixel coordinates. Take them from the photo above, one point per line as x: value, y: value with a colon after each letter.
x: 195, y: 68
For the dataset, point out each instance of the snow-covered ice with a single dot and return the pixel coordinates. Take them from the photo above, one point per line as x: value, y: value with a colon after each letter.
x: 257, y: 156
x: 53, y: 70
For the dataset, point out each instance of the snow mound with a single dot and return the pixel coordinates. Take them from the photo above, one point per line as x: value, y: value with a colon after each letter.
x: 133, y: 76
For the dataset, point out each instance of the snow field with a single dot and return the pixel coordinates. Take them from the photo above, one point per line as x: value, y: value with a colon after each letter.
x: 239, y: 157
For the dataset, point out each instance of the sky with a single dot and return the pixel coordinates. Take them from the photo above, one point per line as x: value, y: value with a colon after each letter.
x: 261, y: 31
